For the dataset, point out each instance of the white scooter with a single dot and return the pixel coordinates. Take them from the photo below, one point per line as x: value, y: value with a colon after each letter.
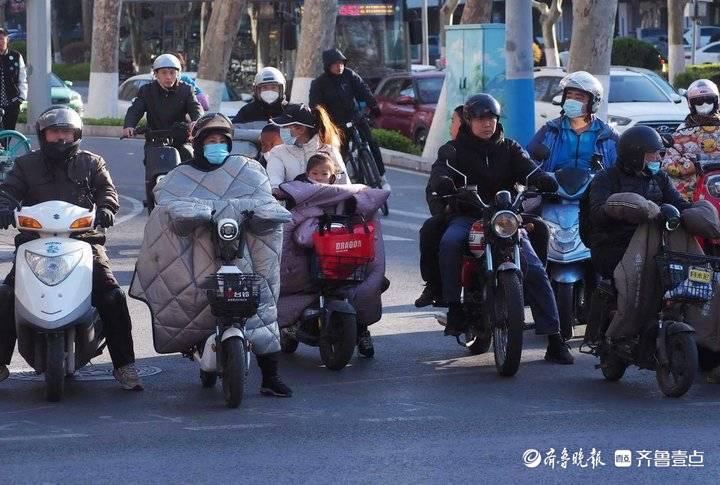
x: 58, y: 329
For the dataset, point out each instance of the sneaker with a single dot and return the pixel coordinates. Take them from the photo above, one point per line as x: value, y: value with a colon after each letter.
x: 4, y: 372
x: 385, y: 183
x: 428, y: 296
x: 274, y: 386
x: 365, y: 345
x: 455, y: 320
x: 558, y: 352
x: 128, y: 378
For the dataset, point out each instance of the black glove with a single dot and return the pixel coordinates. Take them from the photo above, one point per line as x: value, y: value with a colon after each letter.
x: 445, y: 186
x: 375, y: 112
x: 7, y: 217
x: 104, y: 217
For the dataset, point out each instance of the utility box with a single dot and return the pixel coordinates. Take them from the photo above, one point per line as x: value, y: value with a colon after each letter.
x: 475, y: 64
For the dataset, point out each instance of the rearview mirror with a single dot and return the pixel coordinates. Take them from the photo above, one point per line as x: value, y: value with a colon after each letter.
x: 447, y: 152
x: 682, y: 92
x: 540, y: 152
x: 557, y: 100
x: 527, y: 179
x: 596, y: 162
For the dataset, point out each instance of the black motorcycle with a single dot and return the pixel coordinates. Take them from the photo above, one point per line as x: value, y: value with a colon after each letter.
x: 666, y: 345
x: 491, y: 275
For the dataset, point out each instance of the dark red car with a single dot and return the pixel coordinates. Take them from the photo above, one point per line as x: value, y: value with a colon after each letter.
x: 407, y: 103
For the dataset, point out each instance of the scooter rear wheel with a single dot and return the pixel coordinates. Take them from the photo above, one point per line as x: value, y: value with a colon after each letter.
x: 55, y: 367
x: 338, y: 344
x: 677, y: 378
x: 234, y: 374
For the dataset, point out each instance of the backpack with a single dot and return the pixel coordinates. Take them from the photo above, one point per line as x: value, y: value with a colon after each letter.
x: 585, y: 229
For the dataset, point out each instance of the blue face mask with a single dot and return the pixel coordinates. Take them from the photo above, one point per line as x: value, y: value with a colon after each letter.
x: 653, y: 166
x: 215, y: 153
x: 573, y: 108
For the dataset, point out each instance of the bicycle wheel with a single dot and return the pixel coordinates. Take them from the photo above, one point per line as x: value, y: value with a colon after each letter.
x: 367, y: 161
x: 13, y: 144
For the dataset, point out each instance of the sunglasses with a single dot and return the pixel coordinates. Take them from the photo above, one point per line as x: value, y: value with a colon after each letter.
x: 704, y: 100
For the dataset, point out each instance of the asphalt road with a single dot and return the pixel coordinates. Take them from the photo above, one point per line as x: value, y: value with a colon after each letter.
x: 422, y: 411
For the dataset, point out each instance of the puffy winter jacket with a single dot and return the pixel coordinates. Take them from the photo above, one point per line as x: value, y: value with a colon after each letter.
x: 611, y: 236
x: 340, y: 95
x: 285, y: 162
x: 570, y: 149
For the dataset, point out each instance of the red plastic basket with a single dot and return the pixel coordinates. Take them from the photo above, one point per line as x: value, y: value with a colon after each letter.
x: 342, y: 247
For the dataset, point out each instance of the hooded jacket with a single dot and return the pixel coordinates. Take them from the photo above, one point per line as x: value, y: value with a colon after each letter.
x: 340, y: 95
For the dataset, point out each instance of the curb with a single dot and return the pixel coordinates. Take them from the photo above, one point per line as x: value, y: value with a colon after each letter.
x: 391, y: 158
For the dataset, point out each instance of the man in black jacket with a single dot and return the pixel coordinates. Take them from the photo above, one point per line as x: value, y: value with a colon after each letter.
x: 166, y: 101
x: 340, y: 90
x: 13, y: 82
x: 493, y: 163
x: 61, y: 171
x: 637, y: 170
x: 268, y: 97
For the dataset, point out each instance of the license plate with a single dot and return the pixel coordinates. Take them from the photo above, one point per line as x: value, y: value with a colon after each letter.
x: 700, y: 275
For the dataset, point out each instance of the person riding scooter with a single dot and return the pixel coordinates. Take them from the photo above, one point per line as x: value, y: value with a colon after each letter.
x: 493, y: 163
x: 577, y: 134
x: 167, y: 102
x: 60, y: 170
x: 268, y: 97
x: 698, y: 137
x: 232, y: 185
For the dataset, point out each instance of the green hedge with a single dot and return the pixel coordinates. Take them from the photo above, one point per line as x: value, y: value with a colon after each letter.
x: 627, y: 51
x: 20, y: 46
x: 699, y: 71
x: 392, y: 140
x: 72, y: 72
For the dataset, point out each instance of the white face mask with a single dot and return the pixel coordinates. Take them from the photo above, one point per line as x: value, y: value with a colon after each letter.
x: 269, y: 96
x: 704, y: 109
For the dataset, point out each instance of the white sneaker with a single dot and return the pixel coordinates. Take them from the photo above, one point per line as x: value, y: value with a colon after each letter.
x: 385, y: 183
x: 128, y: 378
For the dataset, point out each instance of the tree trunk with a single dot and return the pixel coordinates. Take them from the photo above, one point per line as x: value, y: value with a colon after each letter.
x: 446, y: 16
x: 55, y: 31
x: 87, y: 20
x: 477, y: 12
x: 676, y: 54
x: 591, y: 44
x: 102, y: 92
x: 549, y: 16
x: 317, y: 33
x: 218, y: 44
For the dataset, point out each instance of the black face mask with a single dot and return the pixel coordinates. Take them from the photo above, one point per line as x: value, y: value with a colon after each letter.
x: 59, y: 151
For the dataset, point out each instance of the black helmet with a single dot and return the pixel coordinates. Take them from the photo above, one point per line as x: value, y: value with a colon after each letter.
x: 480, y: 105
x: 634, y: 143
x: 208, y: 124
x: 59, y: 117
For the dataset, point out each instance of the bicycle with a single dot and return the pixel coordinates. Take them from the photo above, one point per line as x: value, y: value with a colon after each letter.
x: 361, y: 165
x: 12, y: 145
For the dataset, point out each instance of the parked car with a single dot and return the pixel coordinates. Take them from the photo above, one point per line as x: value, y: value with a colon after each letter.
x: 705, y: 33
x: 636, y: 96
x: 60, y: 93
x: 229, y: 106
x: 705, y: 55
x: 407, y: 103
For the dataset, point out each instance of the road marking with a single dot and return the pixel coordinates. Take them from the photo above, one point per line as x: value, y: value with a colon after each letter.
x: 566, y: 411
x: 43, y: 437
x: 395, y: 238
x: 401, y: 225
x: 229, y: 426
x: 417, y: 215
x: 137, y: 208
x: 398, y: 419
x: 408, y: 171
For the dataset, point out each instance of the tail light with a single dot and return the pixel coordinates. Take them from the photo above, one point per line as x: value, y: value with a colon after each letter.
x: 476, y: 239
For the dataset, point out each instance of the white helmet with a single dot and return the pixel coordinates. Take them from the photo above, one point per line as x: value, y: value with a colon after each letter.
x: 166, y: 61
x: 584, y: 81
x: 269, y: 75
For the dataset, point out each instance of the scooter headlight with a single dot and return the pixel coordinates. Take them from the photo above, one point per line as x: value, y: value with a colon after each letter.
x: 52, y: 270
x: 505, y: 224
x: 713, y: 186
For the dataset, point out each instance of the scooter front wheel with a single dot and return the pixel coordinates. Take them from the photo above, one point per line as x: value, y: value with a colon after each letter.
x: 233, y: 379
x: 509, y: 323
x: 55, y: 366
x: 337, y: 345
x: 677, y: 377
x: 565, y: 298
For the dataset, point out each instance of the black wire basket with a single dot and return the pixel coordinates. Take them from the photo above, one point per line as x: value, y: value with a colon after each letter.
x: 334, y: 268
x: 688, y: 277
x: 233, y: 295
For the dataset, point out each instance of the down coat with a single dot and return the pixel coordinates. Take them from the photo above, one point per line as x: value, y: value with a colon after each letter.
x: 178, y: 252
x: 312, y: 201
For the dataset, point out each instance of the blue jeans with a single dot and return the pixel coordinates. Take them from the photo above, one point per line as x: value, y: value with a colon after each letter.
x: 536, y: 284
